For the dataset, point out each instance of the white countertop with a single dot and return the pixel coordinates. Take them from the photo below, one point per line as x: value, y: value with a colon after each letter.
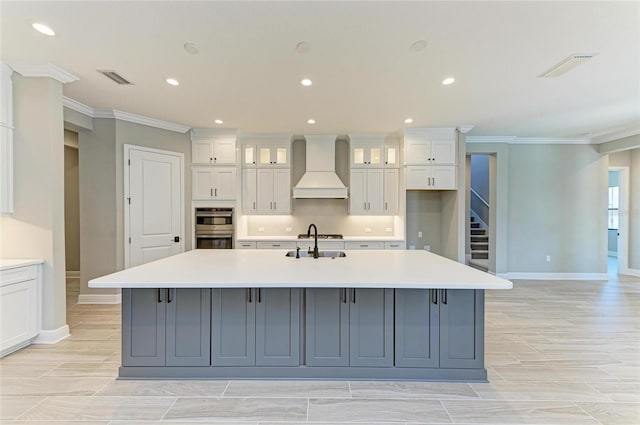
x: 12, y: 263
x: 269, y: 268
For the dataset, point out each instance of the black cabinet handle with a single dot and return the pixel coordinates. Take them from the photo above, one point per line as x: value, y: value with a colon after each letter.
x: 343, y: 294
x: 249, y: 295
x: 444, y: 296
x: 259, y: 295
x: 169, y: 295
x: 434, y: 296
x: 353, y: 295
x: 159, y: 295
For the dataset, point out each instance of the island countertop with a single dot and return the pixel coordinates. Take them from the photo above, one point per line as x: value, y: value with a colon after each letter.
x: 268, y: 268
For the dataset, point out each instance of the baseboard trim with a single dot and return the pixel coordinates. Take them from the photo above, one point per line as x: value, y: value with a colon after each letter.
x: 554, y: 276
x: 631, y: 272
x: 53, y: 336
x: 73, y: 273
x: 99, y: 299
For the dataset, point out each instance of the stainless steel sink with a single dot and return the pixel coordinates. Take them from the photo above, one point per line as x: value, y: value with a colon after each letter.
x: 321, y: 254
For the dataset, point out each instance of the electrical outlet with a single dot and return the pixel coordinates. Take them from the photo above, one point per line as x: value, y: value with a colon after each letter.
x: 288, y: 229
x: 388, y: 229
x: 260, y: 229
x: 419, y: 234
x: 548, y: 258
x: 367, y: 229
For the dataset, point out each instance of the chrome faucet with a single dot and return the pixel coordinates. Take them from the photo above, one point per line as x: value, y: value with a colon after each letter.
x: 315, y: 246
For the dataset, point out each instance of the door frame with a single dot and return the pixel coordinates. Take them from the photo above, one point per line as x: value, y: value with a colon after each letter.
x: 623, y: 219
x: 127, y: 189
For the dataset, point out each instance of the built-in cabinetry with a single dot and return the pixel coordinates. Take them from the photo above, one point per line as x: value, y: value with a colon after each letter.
x: 439, y: 328
x: 430, y: 157
x: 6, y: 139
x: 329, y: 245
x: 166, y: 327
x: 266, y: 174
x: 374, y: 177
x: 19, y: 306
x: 213, y: 160
x: 349, y: 327
x: 255, y: 327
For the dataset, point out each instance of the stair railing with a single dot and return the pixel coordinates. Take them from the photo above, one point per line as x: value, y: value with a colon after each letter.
x: 479, y: 205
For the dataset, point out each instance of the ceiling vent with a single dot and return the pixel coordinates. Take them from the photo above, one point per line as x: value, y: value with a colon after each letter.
x: 114, y: 76
x: 567, y: 64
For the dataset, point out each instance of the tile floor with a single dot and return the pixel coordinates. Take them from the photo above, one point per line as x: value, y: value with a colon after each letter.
x: 557, y: 352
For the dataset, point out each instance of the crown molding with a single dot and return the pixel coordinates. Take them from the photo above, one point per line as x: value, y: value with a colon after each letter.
x: 515, y: 140
x: 121, y: 115
x: 216, y: 133
x: 616, y: 134
x: 48, y: 70
x: 464, y: 129
x: 430, y: 132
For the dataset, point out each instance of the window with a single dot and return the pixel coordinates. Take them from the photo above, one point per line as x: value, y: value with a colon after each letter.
x: 614, y: 204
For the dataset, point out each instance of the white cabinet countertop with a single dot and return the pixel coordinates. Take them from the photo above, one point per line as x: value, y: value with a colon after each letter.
x: 269, y: 268
x: 12, y: 263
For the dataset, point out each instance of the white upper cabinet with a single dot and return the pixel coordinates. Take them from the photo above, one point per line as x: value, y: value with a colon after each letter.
x: 249, y: 155
x: 273, y: 155
x: 439, y: 177
x: 213, y: 147
x: 249, y: 191
x: 391, y: 156
x: 273, y: 191
x: 434, y: 146
x: 391, y: 191
x: 366, y: 192
x: 6, y: 139
x: 367, y: 155
x: 214, y: 183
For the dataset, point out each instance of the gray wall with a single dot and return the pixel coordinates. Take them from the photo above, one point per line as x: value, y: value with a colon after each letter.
x: 71, y: 205
x: 36, y: 228
x: 634, y: 211
x: 102, y: 192
x: 557, y: 200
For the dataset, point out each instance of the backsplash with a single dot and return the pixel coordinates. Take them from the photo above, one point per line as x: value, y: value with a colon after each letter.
x: 329, y: 215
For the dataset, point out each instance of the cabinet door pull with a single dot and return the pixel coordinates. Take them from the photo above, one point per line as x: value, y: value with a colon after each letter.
x: 249, y: 295
x: 343, y: 295
x: 216, y: 192
x: 353, y: 295
x: 444, y: 296
x: 254, y: 205
x: 159, y: 295
x: 385, y: 206
x: 211, y: 191
x: 434, y: 296
x: 169, y: 295
x: 259, y: 295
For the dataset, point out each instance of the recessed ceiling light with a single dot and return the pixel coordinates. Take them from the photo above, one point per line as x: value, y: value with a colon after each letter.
x: 172, y: 81
x: 408, y: 121
x: 306, y: 82
x: 448, y: 81
x: 311, y: 121
x: 303, y: 47
x: 218, y: 121
x: 191, y: 48
x: 44, y: 29
x: 418, y: 46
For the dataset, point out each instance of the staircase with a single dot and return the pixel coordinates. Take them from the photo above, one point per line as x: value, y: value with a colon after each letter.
x: 479, y: 246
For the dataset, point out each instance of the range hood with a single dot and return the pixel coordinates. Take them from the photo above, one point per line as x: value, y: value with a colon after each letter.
x: 320, y: 179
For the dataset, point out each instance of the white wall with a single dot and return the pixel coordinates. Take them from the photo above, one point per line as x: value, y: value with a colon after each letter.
x: 36, y: 228
x: 71, y: 202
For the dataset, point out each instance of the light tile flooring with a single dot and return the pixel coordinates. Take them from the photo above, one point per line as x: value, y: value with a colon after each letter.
x: 556, y: 352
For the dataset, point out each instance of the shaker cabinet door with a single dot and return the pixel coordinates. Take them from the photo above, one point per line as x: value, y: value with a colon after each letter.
x: 371, y: 327
x: 188, y: 327
x: 233, y: 327
x: 278, y: 327
x: 327, y: 327
x: 416, y: 328
x: 143, y: 327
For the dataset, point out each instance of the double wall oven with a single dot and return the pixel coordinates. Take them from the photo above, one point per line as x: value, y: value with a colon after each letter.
x: 214, y: 228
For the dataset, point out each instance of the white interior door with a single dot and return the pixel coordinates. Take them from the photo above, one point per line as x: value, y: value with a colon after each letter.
x: 153, y: 209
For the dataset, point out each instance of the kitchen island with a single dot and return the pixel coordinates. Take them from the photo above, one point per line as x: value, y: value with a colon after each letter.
x: 257, y: 314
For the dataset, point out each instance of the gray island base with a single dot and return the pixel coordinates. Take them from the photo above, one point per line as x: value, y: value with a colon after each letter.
x: 256, y: 314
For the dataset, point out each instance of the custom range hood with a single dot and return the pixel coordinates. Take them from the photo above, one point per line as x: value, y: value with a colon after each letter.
x: 320, y: 179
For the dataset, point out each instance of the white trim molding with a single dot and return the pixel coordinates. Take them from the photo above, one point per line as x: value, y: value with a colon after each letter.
x: 122, y: 115
x: 529, y: 140
x: 553, y: 276
x: 52, y: 336
x: 630, y: 272
x: 44, y: 70
x: 464, y: 129
x: 99, y: 298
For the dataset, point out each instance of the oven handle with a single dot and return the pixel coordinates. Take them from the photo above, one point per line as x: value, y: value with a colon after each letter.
x: 213, y: 215
x: 214, y: 236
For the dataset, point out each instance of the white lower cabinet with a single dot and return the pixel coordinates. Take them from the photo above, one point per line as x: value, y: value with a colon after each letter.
x: 276, y: 245
x: 431, y: 177
x: 19, y: 311
x: 394, y: 245
x: 322, y: 245
x: 246, y: 245
x: 364, y: 245
x: 214, y: 183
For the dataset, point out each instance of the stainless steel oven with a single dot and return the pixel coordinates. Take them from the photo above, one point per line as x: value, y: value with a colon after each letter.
x: 214, y: 228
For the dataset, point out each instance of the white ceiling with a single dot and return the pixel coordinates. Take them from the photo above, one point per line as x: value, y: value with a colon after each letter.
x: 365, y: 78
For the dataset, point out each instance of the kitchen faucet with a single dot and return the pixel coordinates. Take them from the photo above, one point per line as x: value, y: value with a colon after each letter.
x: 315, y: 237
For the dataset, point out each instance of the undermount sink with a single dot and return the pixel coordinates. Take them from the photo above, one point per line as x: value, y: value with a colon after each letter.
x: 321, y: 254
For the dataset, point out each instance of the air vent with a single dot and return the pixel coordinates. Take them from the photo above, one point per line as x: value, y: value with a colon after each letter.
x: 567, y: 64
x: 114, y: 76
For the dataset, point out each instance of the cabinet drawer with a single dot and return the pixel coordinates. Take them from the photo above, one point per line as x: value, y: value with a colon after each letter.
x: 364, y: 245
x: 322, y: 245
x: 246, y: 245
x: 394, y: 245
x: 276, y: 245
x: 19, y: 274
